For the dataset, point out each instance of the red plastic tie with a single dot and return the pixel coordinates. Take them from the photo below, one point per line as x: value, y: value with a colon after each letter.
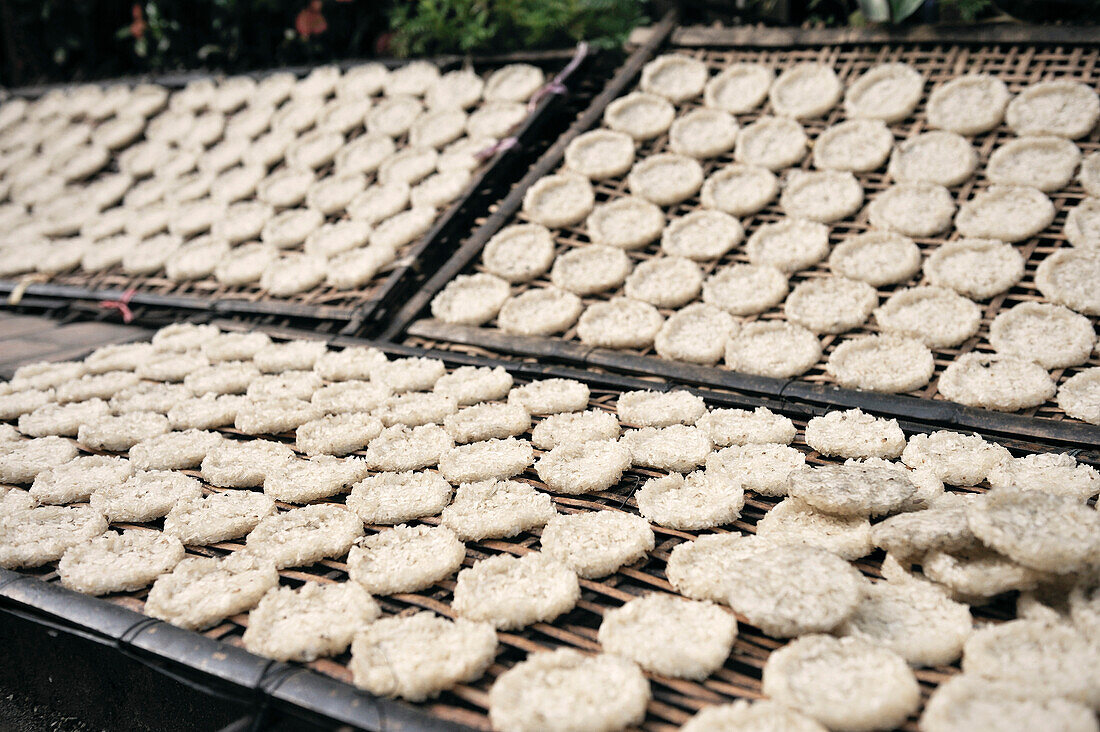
x: 122, y: 304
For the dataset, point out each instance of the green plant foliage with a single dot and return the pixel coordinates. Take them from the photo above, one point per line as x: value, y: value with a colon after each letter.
x: 464, y: 26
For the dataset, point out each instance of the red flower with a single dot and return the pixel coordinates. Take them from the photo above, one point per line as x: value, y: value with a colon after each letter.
x: 137, y: 27
x: 310, y: 21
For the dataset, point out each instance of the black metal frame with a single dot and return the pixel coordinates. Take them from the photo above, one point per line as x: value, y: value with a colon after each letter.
x: 486, y: 185
x: 410, y: 320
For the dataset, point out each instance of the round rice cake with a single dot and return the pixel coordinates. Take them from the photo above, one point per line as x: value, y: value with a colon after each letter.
x: 1056, y: 473
x: 496, y: 120
x: 854, y: 434
x: 877, y: 258
x: 601, y: 693
x: 619, y: 323
x: 697, y: 334
x: 853, y: 489
x: 1006, y: 213
x: 540, y: 311
x: 400, y: 448
x: 670, y: 635
x: 665, y: 178
x: 739, y: 189
x: 590, y: 269
x: 703, y: 133
x: 698, y: 568
x: 18, y: 403
x: 416, y: 409
x: 575, y: 427
x: 937, y: 157
x: 1044, y: 162
x: 291, y: 227
x: 274, y: 416
x: 513, y: 592
x: 821, y: 195
x: 1089, y: 175
x: 1079, y: 396
x: 886, y: 363
x: 201, y: 591
x: 955, y: 458
x: 913, y: 209
x: 790, y: 590
x: 600, y: 154
x: 743, y: 716
x: 830, y: 304
x: 576, y: 468
x: 173, y: 450
x: 409, y: 165
x: 844, y: 683
x: 942, y: 527
x: 674, y: 76
x: 293, y: 273
x: 976, y: 574
x: 700, y: 500
x: 289, y: 356
x: 764, y: 468
x: 145, y: 496
x: 234, y: 464
x: 105, y: 386
x: 119, y: 562
x: 793, y: 521
x: 36, y: 535
x: 745, y: 289
x: 805, y: 89
x: 773, y: 348
x: 929, y: 488
x: 667, y: 282
x: 495, y: 509
x: 916, y: 620
x: 405, y: 559
x: 660, y: 409
x: 407, y: 374
x: 222, y: 378
x: 888, y: 92
x: 1048, y: 659
x: 1039, y: 530
x: 789, y: 245
x: 217, y: 517
x: 968, y: 105
x: 678, y: 448
x: 856, y: 145
x: 977, y: 268
x: 741, y: 427
x: 519, y: 253
x: 627, y: 223
x: 739, y: 88
x: 702, y: 235
x: 551, y: 396
x: 475, y: 384
x: 321, y: 476
x: 380, y: 202
x: 308, y: 622
x: 286, y: 385
x: 560, y: 200
x: 393, y: 116
x: 935, y: 316
x: 640, y: 115
x: 122, y: 432
x: 483, y: 461
x: 63, y: 420
x: 473, y: 299
x: 969, y: 702
x: 403, y: 228
x: 486, y: 421
x: 344, y: 397
x: 395, y: 498
x: 116, y: 357
x: 1053, y: 336
x: 771, y: 142
x: 597, y: 543
x: 348, y: 364
x: 1082, y: 227
x: 45, y: 375
x: 514, y: 82
x: 994, y: 381
x: 1067, y: 277
x: 437, y: 128
x: 1060, y: 107
x: 417, y: 656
